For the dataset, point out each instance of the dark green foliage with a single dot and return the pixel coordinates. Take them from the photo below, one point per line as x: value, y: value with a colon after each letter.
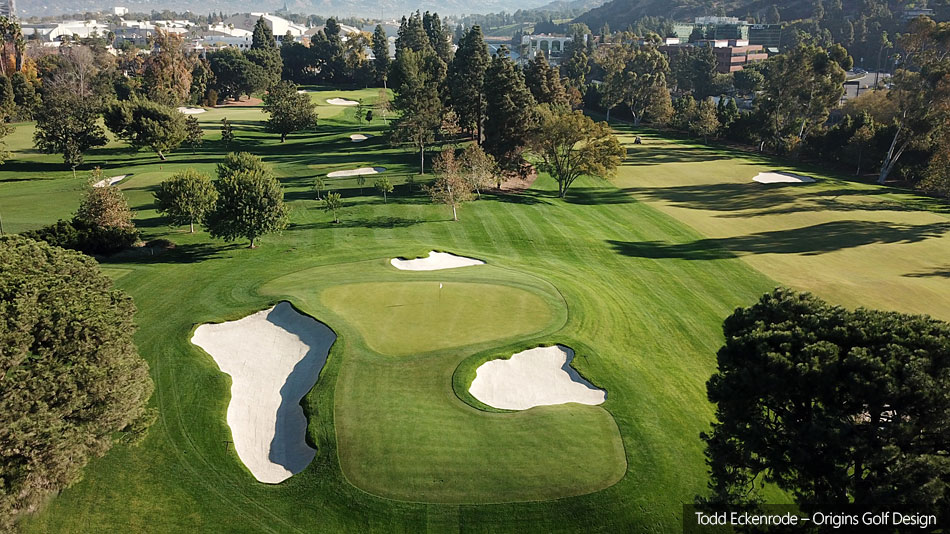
x: 748, y: 80
x: 186, y: 197
x: 576, y: 65
x: 289, y: 110
x: 510, y: 114
x: 146, y: 124
x: 298, y: 61
x: 693, y: 70
x: 235, y: 75
x: 193, y: 132
x: 25, y: 97
x: 381, y: 59
x: 833, y: 406
x: 544, y: 82
x: 262, y: 38
x: 87, y: 238
x: 70, y: 373
x: 250, y: 200
x: 227, y: 132
x: 7, y: 105
x: 438, y: 36
x: 466, y: 81
x: 67, y: 124
x: 202, y: 81
x: 270, y: 62
x: 417, y: 98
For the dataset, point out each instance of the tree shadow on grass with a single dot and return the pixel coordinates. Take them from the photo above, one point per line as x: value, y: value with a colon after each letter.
x: 806, y: 241
x: 377, y: 222
x: 190, y: 253
x: 936, y: 273
x: 589, y: 196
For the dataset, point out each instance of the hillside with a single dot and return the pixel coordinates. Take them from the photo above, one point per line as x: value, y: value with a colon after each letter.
x: 619, y: 13
x: 356, y: 8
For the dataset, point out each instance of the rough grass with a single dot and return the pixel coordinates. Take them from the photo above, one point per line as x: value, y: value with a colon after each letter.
x: 642, y: 293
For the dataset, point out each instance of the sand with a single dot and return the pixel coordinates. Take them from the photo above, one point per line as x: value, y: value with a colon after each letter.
x: 359, y: 138
x: 434, y: 261
x: 356, y: 172
x: 274, y: 358
x: 342, y: 102
x: 535, y: 377
x: 191, y: 111
x: 781, y: 178
x: 108, y: 182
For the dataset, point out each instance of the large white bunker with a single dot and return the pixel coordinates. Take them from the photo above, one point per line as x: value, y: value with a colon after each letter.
x: 274, y: 358
x: 434, y: 261
x: 536, y: 377
x: 781, y: 178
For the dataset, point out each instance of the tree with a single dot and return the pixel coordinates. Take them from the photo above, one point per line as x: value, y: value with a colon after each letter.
x: 384, y: 186
x: 104, y: 207
x: 684, y: 112
x: 227, y: 132
x: 439, y: 38
x: 450, y: 187
x: 73, y: 378
x: 25, y: 97
x: 383, y: 104
x: 466, y: 81
x: 67, y: 124
x: 262, y: 38
x: 202, y: 80
x: 168, y: 70
x: 510, y: 114
x: 250, y: 200
x: 645, y: 81
x: 186, y: 197
x: 361, y: 181
x: 570, y: 144
x: 800, y: 88
x: 544, y: 82
x: 748, y: 80
x: 417, y: 98
x: 7, y: 104
x: 146, y: 124
x: 381, y: 60
x: 576, y: 64
x: 333, y: 203
x: 478, y: 168
x: 193, y: 132
x: 705, y: 122
x: 289, y: 110
x: 921, y: 89
x: 612, y: 59
x: 361, y: 110
x: 319, y: 186
x: 834, y: 407
x: 235, y: 75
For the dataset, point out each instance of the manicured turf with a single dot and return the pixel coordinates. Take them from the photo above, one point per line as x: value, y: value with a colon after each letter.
x: 640, y: 294
x: 856, y: 244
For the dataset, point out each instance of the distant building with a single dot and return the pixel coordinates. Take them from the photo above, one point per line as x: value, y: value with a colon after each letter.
x: 552, y: 46
x: 55, y: 31
x: 8, y: 8
x: 731, y: 54
x: 767, y: 35
x: 912, y: 13
x: 120, y: 11
x: 278, y: 26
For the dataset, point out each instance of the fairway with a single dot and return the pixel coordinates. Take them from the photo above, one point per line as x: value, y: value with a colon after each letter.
x: 406, y: 318
x: 636, y: 275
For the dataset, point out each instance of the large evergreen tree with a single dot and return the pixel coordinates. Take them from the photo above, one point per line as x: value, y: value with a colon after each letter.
x: 466, y: 80
x: 544, y: 82
x: 417, y: 99
x: 510, y: 114
x: 67, y: 124
x: 835, y: 407
x: 381, y: 59
x: 438, y: 36
x: 72, y: 380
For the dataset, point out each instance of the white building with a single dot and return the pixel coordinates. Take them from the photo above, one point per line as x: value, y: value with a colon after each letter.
x: 553, y: 46
x: 120, y: 11
x: 54, y: 31
x: 278, y: 26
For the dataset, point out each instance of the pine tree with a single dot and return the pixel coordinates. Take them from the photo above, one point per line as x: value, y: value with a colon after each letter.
x: 194, y: 133
x: 705, y: 122
x: 466, y: 80
x: 263, y: 37
x: 227, y: 132
x: 418, y: 100
x: 510, y: 111
x: 381, y: 58
x: 438, y: 37
x: 544, y: 82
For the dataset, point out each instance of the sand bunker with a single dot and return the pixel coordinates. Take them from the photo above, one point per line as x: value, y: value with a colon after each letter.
x: 356, y: 172
x: 359, y: 138
x: 108, y: 182
x: 781, y: 178
x: 191, y: 111
x: 535, y: 377
x: 434, y: 262
x: 342, y: 102
x: 274, y: 358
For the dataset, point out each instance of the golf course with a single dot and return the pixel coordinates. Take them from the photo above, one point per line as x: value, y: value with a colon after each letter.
x: 634, y: 275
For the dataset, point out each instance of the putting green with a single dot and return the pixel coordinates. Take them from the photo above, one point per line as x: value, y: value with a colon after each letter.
x: 403, y: 318
x: 400, y: 426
